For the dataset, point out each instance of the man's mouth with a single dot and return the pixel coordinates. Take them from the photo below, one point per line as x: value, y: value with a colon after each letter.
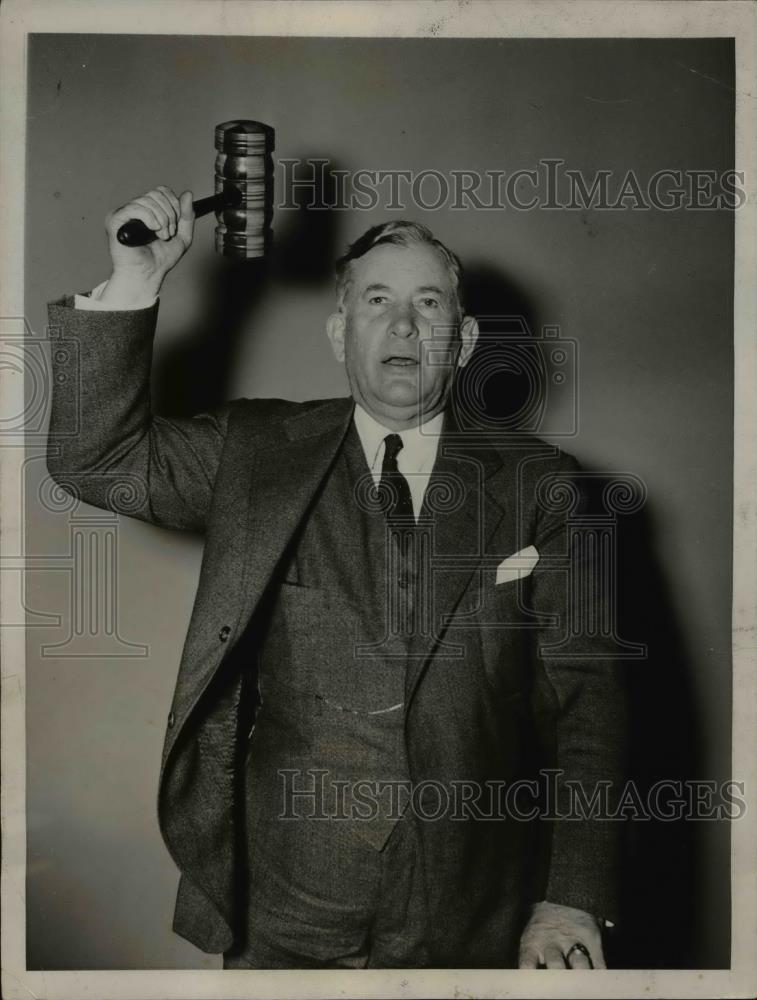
x: 400, y: 361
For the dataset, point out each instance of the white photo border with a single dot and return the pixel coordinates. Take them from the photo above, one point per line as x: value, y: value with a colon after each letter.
x: 388, y: 18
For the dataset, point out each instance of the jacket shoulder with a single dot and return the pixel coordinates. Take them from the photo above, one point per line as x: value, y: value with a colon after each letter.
x: 260, y: 415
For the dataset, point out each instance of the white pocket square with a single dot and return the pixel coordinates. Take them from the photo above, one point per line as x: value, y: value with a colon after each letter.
x: 517, y: 566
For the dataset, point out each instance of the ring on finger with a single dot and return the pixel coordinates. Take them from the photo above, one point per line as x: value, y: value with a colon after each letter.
x: 581, y: 949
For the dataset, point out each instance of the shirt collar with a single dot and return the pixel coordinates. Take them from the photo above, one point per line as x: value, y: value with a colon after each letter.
x: 419, y: 443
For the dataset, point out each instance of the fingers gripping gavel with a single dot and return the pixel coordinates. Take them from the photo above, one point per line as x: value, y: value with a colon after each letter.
x: 243, y: 202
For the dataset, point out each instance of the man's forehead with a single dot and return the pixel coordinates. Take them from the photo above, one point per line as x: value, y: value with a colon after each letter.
x: 390, y: 265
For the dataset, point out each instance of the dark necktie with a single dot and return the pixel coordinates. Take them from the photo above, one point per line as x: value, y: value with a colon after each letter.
x: 393, y: 484
x: 404, y: 562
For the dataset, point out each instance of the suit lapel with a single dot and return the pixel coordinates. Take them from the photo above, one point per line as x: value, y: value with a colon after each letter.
x: 285, y: 477
x: 466, y: 499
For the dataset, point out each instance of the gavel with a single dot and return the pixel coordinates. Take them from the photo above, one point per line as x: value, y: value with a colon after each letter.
x: 243, y: 202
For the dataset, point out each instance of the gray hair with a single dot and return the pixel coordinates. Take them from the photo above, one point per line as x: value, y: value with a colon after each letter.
x: 399, y: 233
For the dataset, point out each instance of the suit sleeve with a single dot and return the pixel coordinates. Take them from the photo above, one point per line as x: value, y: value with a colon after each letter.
x: 583, y: 675
x: 105, y: 446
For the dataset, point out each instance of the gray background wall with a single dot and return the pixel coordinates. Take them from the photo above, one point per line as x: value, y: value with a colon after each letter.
x: 646, y: 294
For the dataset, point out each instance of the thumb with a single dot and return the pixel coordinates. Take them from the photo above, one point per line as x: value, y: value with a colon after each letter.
x: 185, y: 227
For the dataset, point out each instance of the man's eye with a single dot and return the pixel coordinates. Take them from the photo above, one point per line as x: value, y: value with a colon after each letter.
x: 430, y: 303
x: 376, y: 300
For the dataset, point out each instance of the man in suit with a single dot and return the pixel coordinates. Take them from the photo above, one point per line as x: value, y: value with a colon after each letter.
x: 377, y: 652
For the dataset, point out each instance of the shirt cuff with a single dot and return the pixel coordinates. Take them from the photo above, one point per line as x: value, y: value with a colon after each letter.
x: 92, y: 301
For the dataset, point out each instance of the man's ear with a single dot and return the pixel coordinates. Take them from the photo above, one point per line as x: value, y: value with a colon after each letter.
x: 335, y: 330
x: 468, y: 338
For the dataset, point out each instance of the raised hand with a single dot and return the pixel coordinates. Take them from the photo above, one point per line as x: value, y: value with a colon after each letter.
x: 138, y: 272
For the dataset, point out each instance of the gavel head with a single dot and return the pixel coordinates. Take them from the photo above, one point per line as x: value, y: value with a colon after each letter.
x: 244, y: 170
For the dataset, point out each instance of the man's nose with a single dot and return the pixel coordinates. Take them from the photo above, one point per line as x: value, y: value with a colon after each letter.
x: 403, y: 322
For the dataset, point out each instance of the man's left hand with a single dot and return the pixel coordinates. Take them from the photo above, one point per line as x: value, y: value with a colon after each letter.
x: 551, y: 933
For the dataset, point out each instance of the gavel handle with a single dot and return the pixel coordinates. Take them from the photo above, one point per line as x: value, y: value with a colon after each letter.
x: 135, y: 233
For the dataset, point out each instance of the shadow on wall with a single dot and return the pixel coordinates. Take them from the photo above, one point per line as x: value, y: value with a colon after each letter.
x: 505, y: 378
x: 660, y: 894
x: 660, y: 897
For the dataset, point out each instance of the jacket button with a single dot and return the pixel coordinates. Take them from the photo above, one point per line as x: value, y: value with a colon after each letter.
x: 171, y: 720
x: 224, y: 634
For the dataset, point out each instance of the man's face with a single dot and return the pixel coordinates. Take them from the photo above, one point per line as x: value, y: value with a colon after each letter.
x: 399, y: 334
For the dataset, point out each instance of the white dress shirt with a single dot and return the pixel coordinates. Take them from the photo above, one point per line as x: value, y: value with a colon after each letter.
x: 416, y: 459
x: 92, y: 301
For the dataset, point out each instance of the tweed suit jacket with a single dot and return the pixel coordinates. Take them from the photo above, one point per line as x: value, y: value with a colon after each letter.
x: 485, y: 699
